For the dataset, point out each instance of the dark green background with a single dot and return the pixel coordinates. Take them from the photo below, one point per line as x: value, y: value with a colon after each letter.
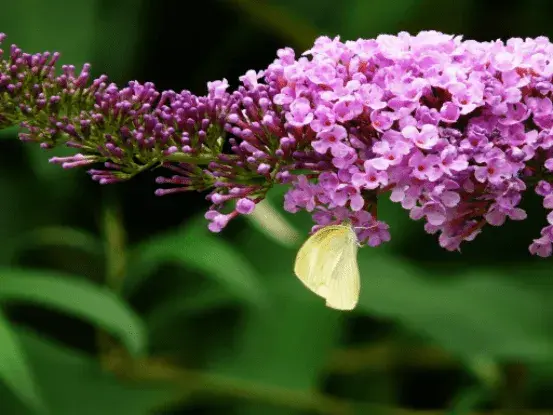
x: 115, y: 301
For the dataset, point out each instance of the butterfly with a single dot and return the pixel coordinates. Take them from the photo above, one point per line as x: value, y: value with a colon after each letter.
x: 327, y: 264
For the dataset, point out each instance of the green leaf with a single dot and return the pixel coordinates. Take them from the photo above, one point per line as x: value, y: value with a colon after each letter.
x: 486, y: 370
x: 280, y: 20
x: 268, y: 219
x: 8, y: 133
x: 13, y: 200
x: 469, y: 399
x: 74, y: 383
x: 15, y: 370
x: 179, y: 305
x: 481, y: 313
x: 78, y: 297
x: 58, y: 180
x: 62, y: 236
x: 369, y: 19
x: 74, y: 38
x: 284, y: 345
x: 276, y: 340
x: 119, y: 20
x: 198, y: 249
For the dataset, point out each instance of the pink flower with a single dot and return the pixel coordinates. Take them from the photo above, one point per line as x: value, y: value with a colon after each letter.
x: 345, y: 193
x: 370, y: 178
x: 425, y: 167
x: 245, y: 206
x: 449, y: 112
x: 425, y: 139
x: 324, y: 119
x: 451, y: 162
x: 541, y: 247
x: 371, y: 95
x: 381, y: 120
x: 329, y: 139
x: 434, y: 212
x: 217, y: 220
x: 300, y: 112
x: 496, y: 170
x: 347, y: 108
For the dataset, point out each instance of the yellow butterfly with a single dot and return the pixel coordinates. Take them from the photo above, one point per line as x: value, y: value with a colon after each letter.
x: 327, y: 265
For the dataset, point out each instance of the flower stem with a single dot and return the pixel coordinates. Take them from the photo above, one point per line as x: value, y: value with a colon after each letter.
x: 115, y: 264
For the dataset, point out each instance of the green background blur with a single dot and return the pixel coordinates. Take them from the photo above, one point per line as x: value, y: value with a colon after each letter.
x: 115, y: 302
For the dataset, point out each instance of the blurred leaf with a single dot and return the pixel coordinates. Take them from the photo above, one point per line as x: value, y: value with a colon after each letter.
x: 52, y: 174
x: 279, y: 19
x: 12, y: 200
x: 15, y: 370
x: 75, y: 384
x: 300, y: 222
x: 52, y: 25
x: 76, y: 297
x: 284, y: 345
x: 269, y: 220
x: 179, y: 305
x: 118, y: 37
x: 486, y: 370
x: 403, y: 229
x: 8, y: 133
x: 478, y: 313
x: 198, y: 249
x: 275, y: 339
x: 301, y: 23
x: 469, y: 400
x: 370, y: 18
x: 62, y: 236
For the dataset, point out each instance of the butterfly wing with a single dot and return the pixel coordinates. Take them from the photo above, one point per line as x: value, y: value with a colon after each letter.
x: 327, y: 265
x: 345, y: 283
x: 314, y: 257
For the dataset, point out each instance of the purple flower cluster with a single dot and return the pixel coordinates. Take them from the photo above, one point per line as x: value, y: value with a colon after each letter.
x: 128, y: 130
x: 23, y: 80
x: 455, y: 131
x: 136, y: 127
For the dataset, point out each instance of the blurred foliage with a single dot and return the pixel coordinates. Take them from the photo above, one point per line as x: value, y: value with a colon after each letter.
x: 114, y: 301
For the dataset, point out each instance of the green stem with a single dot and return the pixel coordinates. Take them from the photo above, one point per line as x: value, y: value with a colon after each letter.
x: 114, y: 244
x: 115, y: 265
x: 186, y: 158
x: 205, y: 384
x: 515, y: 379
x: 208, y: 384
